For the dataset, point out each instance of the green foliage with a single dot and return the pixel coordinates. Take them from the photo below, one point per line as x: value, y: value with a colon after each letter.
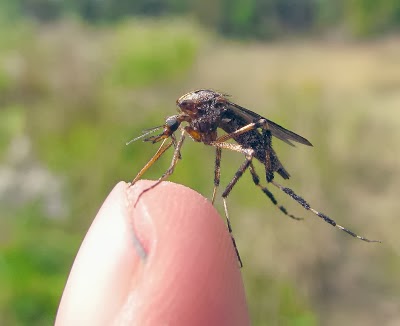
x: 147, y: 53
x: 278, y: 303
x: 5, y: 82
x: 32, y: 267
x: 368, y: 17
x: 70, y: 94
x: 9, y: 11
x: 11, y: 124
x: 262, y: 19
x: 240, y: 17
x: 78, y: 92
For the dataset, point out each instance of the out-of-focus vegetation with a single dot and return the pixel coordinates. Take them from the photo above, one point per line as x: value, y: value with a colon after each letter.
x: 80, y: 78
x: 237, y: 18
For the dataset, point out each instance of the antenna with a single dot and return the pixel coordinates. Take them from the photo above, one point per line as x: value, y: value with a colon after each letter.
x: 145, y: 133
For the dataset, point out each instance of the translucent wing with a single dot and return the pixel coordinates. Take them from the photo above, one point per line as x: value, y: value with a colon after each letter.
x: 247, y: 116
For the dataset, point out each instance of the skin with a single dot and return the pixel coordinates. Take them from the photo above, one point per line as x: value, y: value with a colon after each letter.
x: 190, y: 275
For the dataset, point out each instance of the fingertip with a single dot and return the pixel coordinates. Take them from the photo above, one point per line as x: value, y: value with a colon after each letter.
x: 105, y: 263
x: 191, y: 274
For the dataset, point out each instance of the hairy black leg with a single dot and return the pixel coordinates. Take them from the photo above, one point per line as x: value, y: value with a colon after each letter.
x: 226, y: 193
x: 231, y: 234
x: 269, y: 194
x: 238, y: 175
x: 269, y: 172
x: 217, y: 171
x: 326, y: 218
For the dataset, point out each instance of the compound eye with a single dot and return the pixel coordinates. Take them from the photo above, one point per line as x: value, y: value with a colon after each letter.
x: 187, y: 106
x: 172, y: 123
x: 220, y: 103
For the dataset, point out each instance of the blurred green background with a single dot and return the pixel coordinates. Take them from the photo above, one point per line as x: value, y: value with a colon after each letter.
x: 80, y: 78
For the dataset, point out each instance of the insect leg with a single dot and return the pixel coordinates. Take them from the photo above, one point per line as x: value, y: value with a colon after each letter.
x: 217, y: 171
x: 171, y: 167
x: 231, y: 234
x: 256, y: 180
x: 156, y: 156
x: 174, y: 142
x: 327, y: 219
x: 269, y: 173
x: 249, y: 153
x: 225, y: 194
x: 246, y: 128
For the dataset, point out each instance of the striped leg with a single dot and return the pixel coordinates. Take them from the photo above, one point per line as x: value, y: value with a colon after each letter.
x: 327, y: 219
x: 269, y: 194
x: 231, y: 234
x: 226, y: 193
x: 249, y: 153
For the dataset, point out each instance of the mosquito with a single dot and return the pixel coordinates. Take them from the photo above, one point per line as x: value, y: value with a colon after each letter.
x: 205, y: 111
